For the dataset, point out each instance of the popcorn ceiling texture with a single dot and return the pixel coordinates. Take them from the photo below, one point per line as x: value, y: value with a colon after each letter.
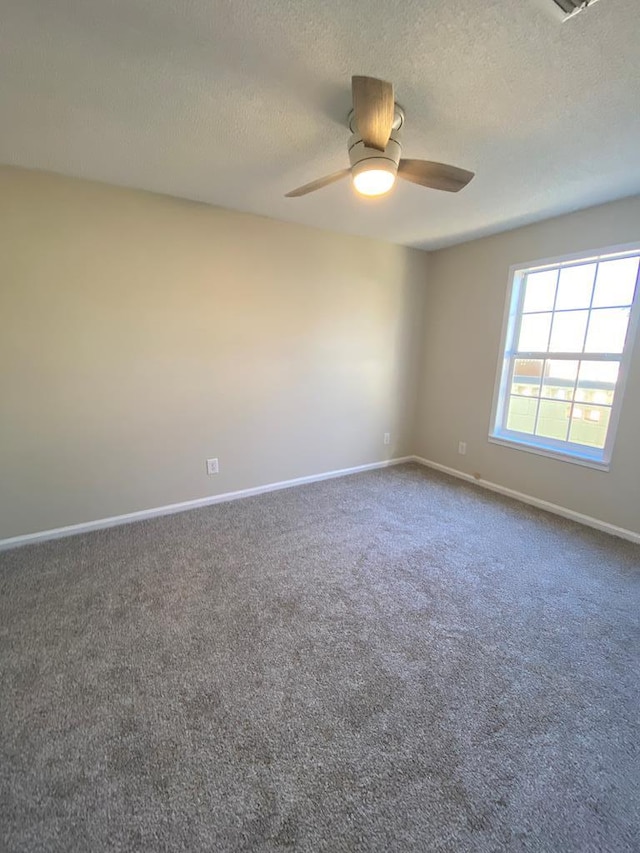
x: 237, y: 102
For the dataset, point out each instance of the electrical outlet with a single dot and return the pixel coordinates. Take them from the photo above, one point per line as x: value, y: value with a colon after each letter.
x: 462, y: 447
x: 387, y: 438
x: 212, y: 466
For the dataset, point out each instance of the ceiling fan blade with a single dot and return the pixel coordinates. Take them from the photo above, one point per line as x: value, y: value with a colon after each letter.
x: 436, y: 176
x: 373, y: 106
x: 317, y: 185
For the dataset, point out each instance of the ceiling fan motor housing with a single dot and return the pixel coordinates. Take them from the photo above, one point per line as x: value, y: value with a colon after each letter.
x: 363, y: 159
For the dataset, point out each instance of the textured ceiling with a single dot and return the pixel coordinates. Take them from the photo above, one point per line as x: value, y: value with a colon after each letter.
x: 235, y: 102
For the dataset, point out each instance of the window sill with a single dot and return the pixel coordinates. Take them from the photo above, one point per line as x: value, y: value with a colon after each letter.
x: 552, y: 453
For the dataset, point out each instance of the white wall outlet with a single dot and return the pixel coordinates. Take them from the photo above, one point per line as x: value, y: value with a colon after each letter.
x: 212, y: 466
x: 387, y: 438
x: 462, y: 447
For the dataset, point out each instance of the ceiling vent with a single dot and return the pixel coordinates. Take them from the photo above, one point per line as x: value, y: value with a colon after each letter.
x: 572, y: 7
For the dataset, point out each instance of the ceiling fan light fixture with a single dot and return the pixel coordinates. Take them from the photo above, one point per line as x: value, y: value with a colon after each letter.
x: 373, y: 175
x: 373, y: 181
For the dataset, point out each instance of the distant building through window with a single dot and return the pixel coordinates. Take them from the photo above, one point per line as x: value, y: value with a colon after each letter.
x: 567, y: 343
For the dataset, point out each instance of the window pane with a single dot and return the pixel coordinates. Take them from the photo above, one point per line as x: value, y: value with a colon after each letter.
x: 540, y: 291
x: 616, y: 282
x: 559, y: 379
x: 567, y: 334
x: 607, y: 330
x: 553, y: 419
x: 575, y: 286
x: 591, y: 426
x: 597, y: 382
x: 527, y: 373
x: 522, y: 413
x: 534, y: 332
x: 559, y: 382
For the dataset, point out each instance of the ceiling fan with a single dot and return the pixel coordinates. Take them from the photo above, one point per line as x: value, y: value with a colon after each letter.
x: 374, y: 148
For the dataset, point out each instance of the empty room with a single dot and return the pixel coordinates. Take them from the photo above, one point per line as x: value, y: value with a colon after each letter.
x: 319, y: 423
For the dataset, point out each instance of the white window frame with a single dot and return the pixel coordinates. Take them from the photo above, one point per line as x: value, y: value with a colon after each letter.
x: 563, y: 450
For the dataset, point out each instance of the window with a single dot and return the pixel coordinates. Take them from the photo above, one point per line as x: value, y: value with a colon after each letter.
x: 567, y: 341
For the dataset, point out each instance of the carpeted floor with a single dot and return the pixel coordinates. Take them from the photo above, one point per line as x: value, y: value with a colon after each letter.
x: 393, y: 661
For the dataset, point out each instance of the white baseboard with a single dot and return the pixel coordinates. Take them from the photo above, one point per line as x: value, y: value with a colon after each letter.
x: 588, y: 520
x: 170, y: 509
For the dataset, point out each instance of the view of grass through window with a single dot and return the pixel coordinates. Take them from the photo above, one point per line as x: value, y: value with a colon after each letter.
x: 565, y: 400
x: 566, y: 350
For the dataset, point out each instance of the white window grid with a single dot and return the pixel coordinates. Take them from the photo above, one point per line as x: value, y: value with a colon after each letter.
x: 563, y: 449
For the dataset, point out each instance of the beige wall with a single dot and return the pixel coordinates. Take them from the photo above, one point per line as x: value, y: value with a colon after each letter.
x: 466, y: 295
x: 140, y: 335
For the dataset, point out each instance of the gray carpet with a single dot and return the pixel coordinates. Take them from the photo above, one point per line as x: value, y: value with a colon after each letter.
x: 392, y: 661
